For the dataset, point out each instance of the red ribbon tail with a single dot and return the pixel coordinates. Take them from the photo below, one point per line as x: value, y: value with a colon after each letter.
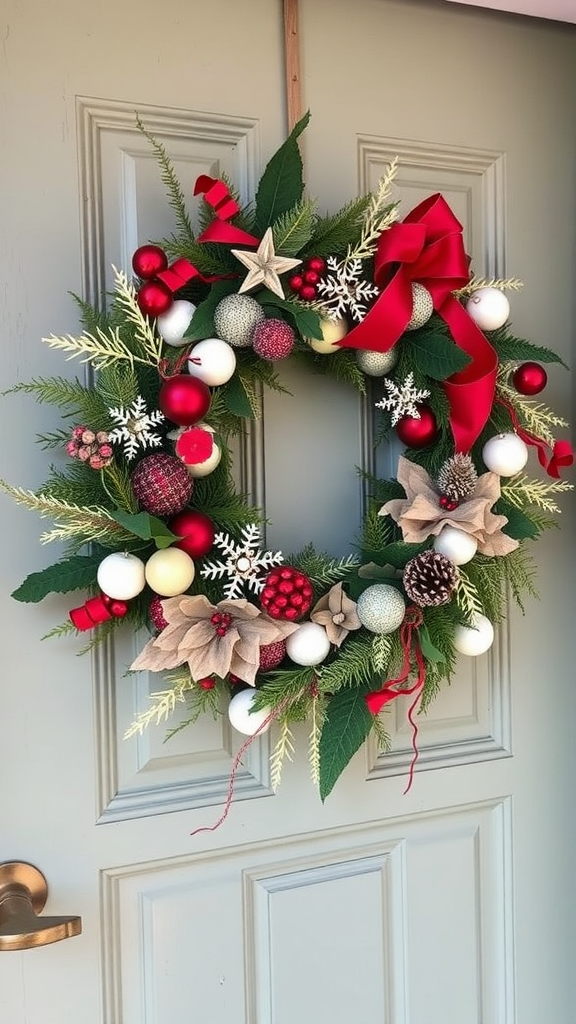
x: 471, y: 391
x: 551, y: 459
x: 217, y: 194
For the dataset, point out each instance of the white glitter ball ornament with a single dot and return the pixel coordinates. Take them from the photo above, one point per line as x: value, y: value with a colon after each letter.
x: 505, y: 454
x: 173, y: 324
x: 475, y: 639
x: 488, y: 308
x: 309, y: 645
x: 457, y: 545
x: 241, y: 716
x: 332, y: 332
x: 121, y: 576
x: 212, y: 361
x: 381, y: 608
x: 235, y: 318
x: 376, y: 364
x: 169, y: 572
x: 422, y: 307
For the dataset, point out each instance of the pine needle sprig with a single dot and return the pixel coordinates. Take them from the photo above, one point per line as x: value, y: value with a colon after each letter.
x: 70, y: 519
x: 488, y: 578
x: 150, y: 343
x: 317, y: 717
x: 383, y: 742
x: 534, y: 416
x: 512, y: 350
x: 53, y: 439
x: 323, y: 569
x: 501, y: 283
x: 521, y: 491
x: 521, y: 574
x: 117, y: 386
x: 62, y: 629
x: 467, y: 597
x: 176, y: 197
x: 70, y: 396
x: 283, y: 750
x: 283, y: 687
x: 162, y: 704
x: 354, y: 666
x: 332, y: 232
x: 77, y: 484
x: 200, y: 702
x: 380, y: 214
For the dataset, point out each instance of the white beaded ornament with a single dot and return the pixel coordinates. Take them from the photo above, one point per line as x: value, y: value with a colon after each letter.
x: 381, y: 608
x: 235, y: 318
x: 422, y: 307
x: 376, y: 364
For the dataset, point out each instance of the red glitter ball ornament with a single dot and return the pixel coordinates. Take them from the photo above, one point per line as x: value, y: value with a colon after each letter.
x: 154, y: 298
x: 530, y: 378
x: 196, y: 530
x: 156, y: 613
x: 418, y: 433
x: 148, y: 261
x: 287, y: 593
x: 273, y: 339
x: 184, y: 399
x: 161, y: 484
x: 271, y: 655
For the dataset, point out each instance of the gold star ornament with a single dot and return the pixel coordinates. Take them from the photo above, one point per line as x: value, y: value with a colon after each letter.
x: 264, y: 266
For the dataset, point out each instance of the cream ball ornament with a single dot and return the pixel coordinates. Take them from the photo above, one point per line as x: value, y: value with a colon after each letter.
x: 332, y: 332
x: 505, y: 454
x: 422, y: 307
x: 309, y: 645
x: 169, y: 572
x: 243, y: 718
x: 376, y: 364
x: 475, y: 639
x: 381, y: 608
x: 488, y: 308
x: 213, y: 361
x: 457, y: 545
x: 173, y: 324
x: 121, y: 576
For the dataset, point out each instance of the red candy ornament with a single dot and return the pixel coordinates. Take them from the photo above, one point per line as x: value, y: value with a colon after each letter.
x: 287, y: 594
x: 530, y: 379
x: 154, y: 298
x: 148, y: 261
x: 184, y: 400
x: 418, y: 433
x: 196, y: 530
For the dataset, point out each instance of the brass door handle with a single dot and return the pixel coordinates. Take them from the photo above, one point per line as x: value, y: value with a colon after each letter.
x: 23, y: 892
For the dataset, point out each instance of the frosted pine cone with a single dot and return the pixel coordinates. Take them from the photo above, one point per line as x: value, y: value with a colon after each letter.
x: 430, y: 579
x: 457, y: 478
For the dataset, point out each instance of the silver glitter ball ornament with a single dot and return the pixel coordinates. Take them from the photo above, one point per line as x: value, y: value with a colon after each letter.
x: 376, y: 364
x: 235, y: 318
x: 422, y: 307
x: 381, y: 608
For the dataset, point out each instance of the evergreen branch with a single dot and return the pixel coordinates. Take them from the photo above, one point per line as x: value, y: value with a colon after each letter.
x: 467, y: 597
x: 284, y: 748
x: 53, y: 439
x: 70, y: 519
x: 332, y: 233
x: 117, y: 385
x: 99, y: 349
x: 502, y: 283
x: 381, y: 651
x: 63, y: 629
x: 283, y: 687
x: 535, y: 416
x: 293, y: 229
x: 115, y: 480
x: 162, y: 704
x: 379, y: 215
x: 150, y: 343
x: 488, y: 577
x: 354, y: 666
x: 322, y: 569
x: 520, y: 575
x: 318, y: 706
x: 201, y: 702
x: 521, y: 491
x: 62, y: 392
x: 176, y: 198
x: 383, y: 742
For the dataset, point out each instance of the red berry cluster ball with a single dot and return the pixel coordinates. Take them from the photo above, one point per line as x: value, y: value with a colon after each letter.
x: 287, y: 594
x: 305, y: 283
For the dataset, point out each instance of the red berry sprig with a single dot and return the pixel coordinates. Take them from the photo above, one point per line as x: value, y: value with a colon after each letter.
x: 306, y: 282
x: 287, y: 594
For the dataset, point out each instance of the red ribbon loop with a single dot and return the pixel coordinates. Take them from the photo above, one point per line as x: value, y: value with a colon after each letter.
x: 551, y: 459
x: 395, y: 688
x: 91, y: 614
x: 217, y: 195
x: 427, y: 247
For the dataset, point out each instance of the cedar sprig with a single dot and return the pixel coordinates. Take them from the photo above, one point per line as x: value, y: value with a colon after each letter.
x: 502, y: 283
x: 332, y: 232
x: 488, y: 577
x: 354, y: 666
x: 317, y: 717
x: 521, y: 491
x: 534, y: 416
x: 380, y: 214
x: 467, y: 597
x: 176, y: 197
x: 162, y: 703
x: 93, y: 523
x: 283, y: 750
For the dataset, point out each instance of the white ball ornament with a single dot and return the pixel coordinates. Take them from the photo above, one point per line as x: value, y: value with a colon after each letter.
x: 505, y: 454
x: 332, y: 332
x: 173, y: 324
x: 376, y: 364
x: 488, y: 308
x: 457, y: 545
x: 475, y: 639
x: 169, y: 572
x: 309, y: 645
x: 212, y: 361
x: 241, y: 716
x: 381, y: 608
x: 422, y: 307
x: 121, y: 576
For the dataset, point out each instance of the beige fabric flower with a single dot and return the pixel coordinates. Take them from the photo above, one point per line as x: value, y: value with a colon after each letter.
x: 212, y: 639
x: 337, y: 613
x: 420, y: 515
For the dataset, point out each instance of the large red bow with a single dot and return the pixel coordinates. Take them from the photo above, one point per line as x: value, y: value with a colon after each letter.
x: 427, y: 247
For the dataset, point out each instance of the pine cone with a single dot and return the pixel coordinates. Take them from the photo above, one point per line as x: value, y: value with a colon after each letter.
x: 430, y: 578
x: 457, y: 478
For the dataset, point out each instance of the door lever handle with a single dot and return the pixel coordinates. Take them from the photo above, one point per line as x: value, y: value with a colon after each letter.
x: 23, y: 893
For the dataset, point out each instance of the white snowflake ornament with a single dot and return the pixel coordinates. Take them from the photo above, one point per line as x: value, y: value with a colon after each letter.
x: 244, y: 564
x: 134, y: 428
x: 402, y: 400
x: 344, y: 290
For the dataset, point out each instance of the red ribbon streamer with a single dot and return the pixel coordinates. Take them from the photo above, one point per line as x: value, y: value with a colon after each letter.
x: 551, y: 459
x: 217, y: 195
x: 427, y: 247
x: 394, y: 687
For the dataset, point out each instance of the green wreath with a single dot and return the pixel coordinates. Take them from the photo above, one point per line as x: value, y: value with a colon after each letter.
x: 141, y: 492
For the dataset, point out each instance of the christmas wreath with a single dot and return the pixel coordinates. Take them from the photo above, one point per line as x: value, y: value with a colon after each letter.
x: 142, y: 494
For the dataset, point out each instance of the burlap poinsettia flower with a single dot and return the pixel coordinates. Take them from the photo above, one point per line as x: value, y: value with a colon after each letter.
x: 212, y: 639
x: 337, y: 613
x: 420, y: 515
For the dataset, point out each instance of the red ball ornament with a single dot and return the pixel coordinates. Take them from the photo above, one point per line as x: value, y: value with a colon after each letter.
x: 418, y: 432
x: 162, y: 485
x: 148, y: 261
x: 287, y: 593
x: 530, y: 378
x: 154, y: 298
x: 184, y: 399
x: 196, y: 530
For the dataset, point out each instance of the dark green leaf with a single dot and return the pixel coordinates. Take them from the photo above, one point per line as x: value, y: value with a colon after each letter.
x: 348, y: 722
x: 281, y: 185
x: 145, y: 526
x: 519, y: 525
x: 236, y: 399
x: 436, y: 355
x: 306, y: 321
x: 75, y: 573
x: 516, y: 350
x: 202, y: 323
x: 430, y: 652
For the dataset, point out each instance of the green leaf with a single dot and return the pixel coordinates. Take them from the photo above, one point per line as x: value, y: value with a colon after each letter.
x: 430, y: 652
x: 348, y: 722
x: 293, y: 229
x: 399, y: 553
x: 436, y: 355
x: 202, y: 324
x: 75, y: 573
x: 519, y: 525
x: 516, y: 350
x: 306, y: 321
x: 145, y: 526
x: 236, y: 398
x: 281, y: 185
